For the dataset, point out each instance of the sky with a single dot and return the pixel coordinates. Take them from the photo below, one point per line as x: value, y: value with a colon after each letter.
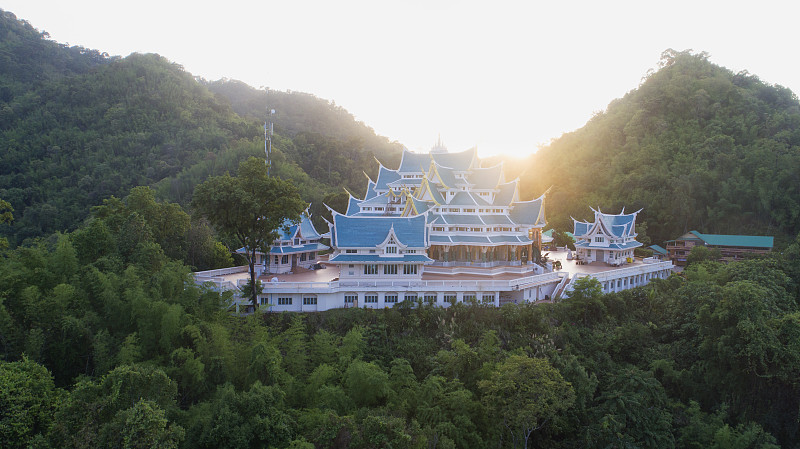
x: 505, y: 76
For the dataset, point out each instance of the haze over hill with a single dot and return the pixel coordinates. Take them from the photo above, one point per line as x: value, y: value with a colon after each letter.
x: 695, y: 145
x: 78, y: 126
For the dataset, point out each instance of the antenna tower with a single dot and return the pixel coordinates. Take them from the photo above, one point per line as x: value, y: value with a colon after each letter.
x: 268, y: 129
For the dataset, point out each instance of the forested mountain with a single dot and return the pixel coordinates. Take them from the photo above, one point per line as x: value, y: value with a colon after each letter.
x: 326, y: 140
x: 695, y: 145
x: 78, y: 127
x: 28, y: 57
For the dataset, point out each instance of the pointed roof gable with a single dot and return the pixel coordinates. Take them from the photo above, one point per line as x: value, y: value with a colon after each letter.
x: 385, y: 176
x: 411, y: 162
x: 486, y: 178
x: 462, y: 161
x: 507, y: 194
x: 467, y: 199
x: 369, y: 232
x: 426, y: 191
x: 580, y: 228
x: 377, y: 200
x: 416, y: 207
x: 370, y: 190
x: 614, y: 225
x: 528, y: 212
x: 442, y: 175
x: 352, y: 206
x: 620, y: 225
x: 307, y: 230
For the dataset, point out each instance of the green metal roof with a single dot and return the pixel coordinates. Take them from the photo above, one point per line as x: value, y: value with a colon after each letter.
x: 549, y: 233
x: 658, y: 249
x: 747, y: 241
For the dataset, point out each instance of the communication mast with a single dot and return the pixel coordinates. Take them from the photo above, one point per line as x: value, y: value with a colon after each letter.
x: 268, y: 130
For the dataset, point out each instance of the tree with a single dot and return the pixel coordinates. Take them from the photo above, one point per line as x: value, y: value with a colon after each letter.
x: 561, y: 238
x: 28, y: 398
x: 6, y: 216
x: 526, y: 393
x: 701, y: 253
x: 145, y: 426
x: 249, y: 208
x: 366, y: 383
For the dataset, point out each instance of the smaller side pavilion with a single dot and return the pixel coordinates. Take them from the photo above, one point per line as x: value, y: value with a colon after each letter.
x: 297, y: 246
x: 611, y: 238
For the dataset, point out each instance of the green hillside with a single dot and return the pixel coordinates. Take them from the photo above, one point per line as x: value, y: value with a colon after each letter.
x: 78, y: 127
x: 696, y: 145
x: 326, y: 141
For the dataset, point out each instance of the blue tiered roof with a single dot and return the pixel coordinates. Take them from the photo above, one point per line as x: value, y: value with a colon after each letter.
x: 486, y: 178
x: 446, y: 195
x: 620, y: 226
x: 307, y: 230
x: 457, y: 161
x: 505, y: 194
x: 385, y: 176
x: 413, y: 162
x: 531, y: 212
x: 369, y: 232
x: 352, y: 206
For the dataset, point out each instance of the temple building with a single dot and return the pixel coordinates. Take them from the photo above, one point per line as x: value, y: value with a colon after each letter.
x: 441, y: 229
x: 609, y: 238
x: 297, y: 246
x: 463, y: 214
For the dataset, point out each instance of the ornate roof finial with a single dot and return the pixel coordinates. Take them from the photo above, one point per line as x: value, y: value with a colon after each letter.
x: 439, y: 146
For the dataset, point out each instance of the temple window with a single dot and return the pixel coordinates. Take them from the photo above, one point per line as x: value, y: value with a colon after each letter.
x: 409, y: 269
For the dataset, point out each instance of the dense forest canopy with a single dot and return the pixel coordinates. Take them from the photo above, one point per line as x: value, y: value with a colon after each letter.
x: 106, y: 342
x: 696, y: 145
